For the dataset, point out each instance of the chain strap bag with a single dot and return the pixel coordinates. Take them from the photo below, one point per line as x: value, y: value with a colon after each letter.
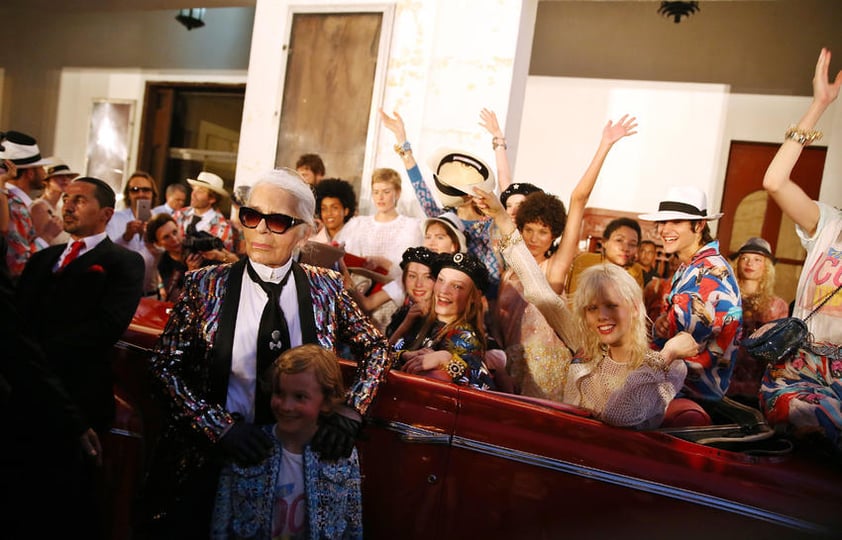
x: 777, y: 340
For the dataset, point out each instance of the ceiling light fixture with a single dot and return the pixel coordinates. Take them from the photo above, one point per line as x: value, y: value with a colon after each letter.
x: 677, y: 10
x: 191, y: 18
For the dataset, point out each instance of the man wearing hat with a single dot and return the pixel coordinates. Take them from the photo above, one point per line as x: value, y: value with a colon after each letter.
x: 22, y: 159
x: 203, y: 213
x: 47, y: 207
x: 704, y: 299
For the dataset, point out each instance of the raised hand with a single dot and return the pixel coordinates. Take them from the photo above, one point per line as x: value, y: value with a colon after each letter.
x: 488, y: 120
x: 624, y: 127
x: 824, y: 91
x: 394, y: 124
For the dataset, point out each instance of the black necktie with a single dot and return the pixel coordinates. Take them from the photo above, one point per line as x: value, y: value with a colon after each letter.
x: 272, y: 340
x: 191, y: 227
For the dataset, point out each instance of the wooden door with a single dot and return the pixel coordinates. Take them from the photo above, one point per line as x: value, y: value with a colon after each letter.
x: 749, y: 211
x: 155, y: 133
x: 328, y: 91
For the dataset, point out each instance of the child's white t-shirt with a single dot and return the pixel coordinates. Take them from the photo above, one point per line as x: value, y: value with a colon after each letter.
x: 289, y: 516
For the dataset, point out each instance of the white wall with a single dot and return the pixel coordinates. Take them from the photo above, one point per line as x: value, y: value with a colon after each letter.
x: 684, y: 136
x: 80, y: 87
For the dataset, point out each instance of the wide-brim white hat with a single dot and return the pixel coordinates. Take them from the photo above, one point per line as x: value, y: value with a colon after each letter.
x: 210, y: 181
x: 453, y: 184
x: 59, y: 168
x: 684, y: 202
x: 454, y: 224
x: 22, y: 150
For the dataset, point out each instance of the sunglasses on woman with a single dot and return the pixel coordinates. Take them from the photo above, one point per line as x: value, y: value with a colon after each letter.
x: 276, y: 223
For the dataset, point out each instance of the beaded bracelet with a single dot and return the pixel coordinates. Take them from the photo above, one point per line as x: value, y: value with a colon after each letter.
x: 456, y: 366
x: 498, y: 142
x: 802, y: 136
x: 403, y: 149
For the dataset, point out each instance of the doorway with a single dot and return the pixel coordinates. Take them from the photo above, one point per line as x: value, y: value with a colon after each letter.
x: 188, y: 128
x: 329, y: 84
x: 749, y: 211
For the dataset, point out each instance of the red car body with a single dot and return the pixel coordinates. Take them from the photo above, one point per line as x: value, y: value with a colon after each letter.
x: 444, y: 461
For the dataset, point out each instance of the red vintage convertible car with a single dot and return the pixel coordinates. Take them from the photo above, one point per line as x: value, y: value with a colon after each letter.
x: 444, y: 461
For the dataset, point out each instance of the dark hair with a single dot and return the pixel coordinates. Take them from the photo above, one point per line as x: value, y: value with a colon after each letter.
x: 642, y: 242
x: 156, y: 222
x: 102, y: 191
x: 540, y: 207
x: 313, y: 162
x: 337, y: 189
x: 615, y: 224
x: 141, y: 174
x: 707, y: 237
x: 172, y: 188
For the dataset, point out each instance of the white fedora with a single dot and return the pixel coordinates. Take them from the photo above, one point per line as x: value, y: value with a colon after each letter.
x: 457, y: 172
x: 22, y: 150
x: 59, y: 168
x: 684, y: 202
x: 210, y: 181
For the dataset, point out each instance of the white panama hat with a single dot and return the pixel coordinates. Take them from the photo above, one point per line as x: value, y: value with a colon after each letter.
x: 683, y: 202
x: 209, y: 181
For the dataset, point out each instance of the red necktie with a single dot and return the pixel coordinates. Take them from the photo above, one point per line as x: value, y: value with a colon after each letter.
x: 75, y: 248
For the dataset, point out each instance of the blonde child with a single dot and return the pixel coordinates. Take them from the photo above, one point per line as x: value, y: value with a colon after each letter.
x: 293, y: 494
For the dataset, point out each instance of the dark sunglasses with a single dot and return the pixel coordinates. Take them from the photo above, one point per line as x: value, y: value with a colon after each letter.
x: 139, y: 189
x: 276, y: 223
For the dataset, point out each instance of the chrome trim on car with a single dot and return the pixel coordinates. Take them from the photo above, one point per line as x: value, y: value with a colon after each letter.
x: 125, y: 433
x: 414, y: 434
x: 126, y: 346
x: 637, y: 484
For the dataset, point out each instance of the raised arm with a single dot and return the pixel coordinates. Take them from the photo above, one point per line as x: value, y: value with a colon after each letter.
x: 488, y: 120
x: 536, y: 289
x: 425, y: 198
x: 563, y: 257
x: 790, y: 197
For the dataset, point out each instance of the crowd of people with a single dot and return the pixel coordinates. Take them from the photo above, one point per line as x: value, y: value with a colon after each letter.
x: 485, y: 291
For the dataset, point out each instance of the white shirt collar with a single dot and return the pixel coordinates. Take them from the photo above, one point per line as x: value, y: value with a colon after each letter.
x: 269, y: 273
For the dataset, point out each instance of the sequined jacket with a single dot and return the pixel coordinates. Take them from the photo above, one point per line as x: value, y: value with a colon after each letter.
x: 192, y: 362
x: 245, y: 497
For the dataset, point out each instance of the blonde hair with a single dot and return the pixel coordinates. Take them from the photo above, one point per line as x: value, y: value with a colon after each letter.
x: 325, y: 366
x: 592, y: 284
x: 765, y: 286
x: 388, y: 176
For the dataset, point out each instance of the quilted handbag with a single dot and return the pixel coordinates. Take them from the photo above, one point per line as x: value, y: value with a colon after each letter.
x: 777, y: 340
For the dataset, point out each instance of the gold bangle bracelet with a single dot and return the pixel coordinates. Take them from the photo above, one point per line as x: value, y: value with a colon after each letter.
x: 802, y: 136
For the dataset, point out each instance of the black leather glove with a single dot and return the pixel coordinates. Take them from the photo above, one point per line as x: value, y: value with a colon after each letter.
x: 246, y: 443
x: 336, y: 436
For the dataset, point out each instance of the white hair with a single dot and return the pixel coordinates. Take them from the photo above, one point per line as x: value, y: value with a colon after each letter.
x: 291, y: 182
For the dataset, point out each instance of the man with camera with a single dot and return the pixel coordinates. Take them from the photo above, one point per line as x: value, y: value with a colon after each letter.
x: 202, y: 221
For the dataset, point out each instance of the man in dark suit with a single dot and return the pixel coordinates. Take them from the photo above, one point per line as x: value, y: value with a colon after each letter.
x: 208, y: 361
x: 75, y: 300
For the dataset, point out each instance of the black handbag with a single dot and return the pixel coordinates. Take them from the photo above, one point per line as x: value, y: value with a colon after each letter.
x: 777, y: 340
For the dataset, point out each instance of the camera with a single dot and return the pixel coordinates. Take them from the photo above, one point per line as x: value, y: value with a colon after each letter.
x: 201, y: 241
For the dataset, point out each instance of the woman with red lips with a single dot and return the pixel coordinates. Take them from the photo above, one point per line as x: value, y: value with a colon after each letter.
x: 418, y: 283
x: 452, y: 342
